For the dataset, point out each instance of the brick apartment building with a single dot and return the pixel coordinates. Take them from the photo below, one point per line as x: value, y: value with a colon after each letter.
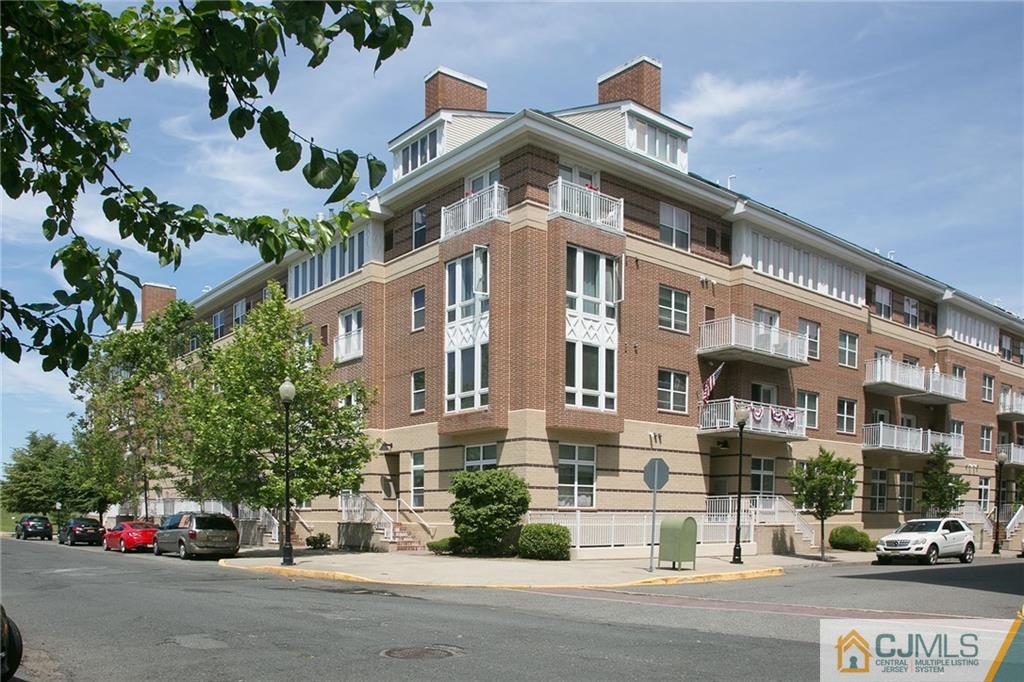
x: 549, y: 292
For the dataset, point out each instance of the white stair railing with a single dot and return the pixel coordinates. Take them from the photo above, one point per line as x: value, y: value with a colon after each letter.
x: 1011, y: 526
x: 419, y: 519
x: 271, y: 524
x: 360, y: 508
x: 764, y: 509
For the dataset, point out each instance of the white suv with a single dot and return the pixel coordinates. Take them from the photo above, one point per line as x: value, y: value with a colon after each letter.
x: 928, y: 539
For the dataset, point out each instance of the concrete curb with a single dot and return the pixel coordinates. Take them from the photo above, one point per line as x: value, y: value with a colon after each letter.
x: 319, y: 574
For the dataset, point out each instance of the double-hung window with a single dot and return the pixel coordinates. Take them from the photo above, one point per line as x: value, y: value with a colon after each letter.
x: 674, y: 227
x: 983, y: 493
x: 419, y: 390
x: 812, y: 330
x: 911, y: 314
x: 467, y: 284
x: 417, y: 488
x: 593, y: 285
x: 238, y: 313
x: 847, y: 349
x: 349, y: 344
x: 592, y: 282
x: 673, y: 309
x: 217, y: 321
x: 577, y: 471
x: 672, y: 390
x: 986, y: 439
x: 762, y: 476
x: 879, y: 490
x: 906, y: 491
x: 1006, y: 347
x: 419, y: 308
x: 467, y: 365
x: 988, y: 388
x: 883, y: 301
x: 418, y: 152
x: 956, y: 426
x: 480, y: 457
x: 419, y: 227
x: 809, y: 402
x: 846, y: 415
x: 589, y: 375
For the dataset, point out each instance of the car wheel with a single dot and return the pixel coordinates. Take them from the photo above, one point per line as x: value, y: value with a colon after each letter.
x: 968, y: 555
x: 123, y: 548
x: 69, y: 541
x: 106, y: 547
x: 12, y: 646
x: 182, y: 552
x: 932, y: 557
x: 17, y: 534
x: 49, y: 538
x: 156, y: 548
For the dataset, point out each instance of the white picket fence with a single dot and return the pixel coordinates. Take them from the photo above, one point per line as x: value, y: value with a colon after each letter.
x: 633, y: 529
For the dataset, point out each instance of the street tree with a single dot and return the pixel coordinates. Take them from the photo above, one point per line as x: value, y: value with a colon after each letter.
x: 824, y: 486
x: 941, y: 489
x: 233, y: 445
x: 57, y: 54
x: 37, y: 477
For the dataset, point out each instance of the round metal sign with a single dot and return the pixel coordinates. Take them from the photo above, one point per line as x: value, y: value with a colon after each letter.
x: 656, y: 474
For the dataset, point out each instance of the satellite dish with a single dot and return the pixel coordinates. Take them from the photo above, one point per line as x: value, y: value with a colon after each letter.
x: 387, y: 487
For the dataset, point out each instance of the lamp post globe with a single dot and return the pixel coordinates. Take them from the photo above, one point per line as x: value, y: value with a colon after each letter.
x: 1000, y: 462
x: 287, y: 393
x: 741, y: 414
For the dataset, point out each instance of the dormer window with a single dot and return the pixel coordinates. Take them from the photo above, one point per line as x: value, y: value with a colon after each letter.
x: 418, y: 152
x: 656, y: 141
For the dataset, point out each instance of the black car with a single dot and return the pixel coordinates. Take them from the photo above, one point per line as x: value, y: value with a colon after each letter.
x: 30, y: 526
x: 80, y: 529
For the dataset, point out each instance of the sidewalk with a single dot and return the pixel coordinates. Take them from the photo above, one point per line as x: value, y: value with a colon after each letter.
x: 424, y: 569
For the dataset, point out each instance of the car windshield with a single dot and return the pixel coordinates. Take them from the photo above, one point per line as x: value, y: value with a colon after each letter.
x: 214, y: 523
x: 919, y: 527
x: 143, y: 526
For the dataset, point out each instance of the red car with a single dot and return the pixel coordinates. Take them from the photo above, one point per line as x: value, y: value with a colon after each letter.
x: 130, y: 535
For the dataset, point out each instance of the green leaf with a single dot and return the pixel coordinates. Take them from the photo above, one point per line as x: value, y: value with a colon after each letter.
x: 273, y: 73
x: 347, y: 161
x: 378, y: 169
x: 320, y: 172
x: 111, y: 209
x: 267, y: 36
x: 288, y: 155
x: 273, y: 128
x: 12, y: 348
x: 49, y: 228
x: 237, y: 122
x: 343, y: 190
x: 218, y: 98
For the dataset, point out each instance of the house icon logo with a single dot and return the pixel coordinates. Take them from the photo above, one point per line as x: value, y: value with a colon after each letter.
x: 853, y: 654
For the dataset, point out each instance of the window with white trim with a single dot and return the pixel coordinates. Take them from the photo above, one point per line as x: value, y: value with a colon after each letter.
x: 419, y: 227
x: 419, y: 308
x: 911, y: 313
x: 349, y: 344
x: 905, y: 499
x: 672, y: 390
x: 589, y: 376
x: 983, y: 493
x: 846, y: 415
x: 467, y: 383
x: 591, y: 282
x: 986, y: 439
x: 1006, y: 347
x: 673, y: 309
x: 238, y: 313
x: 847, y: 349
x: 467, y: 370
x: 883, y: 301
x: 655, y: 141
x: 340, y: 260
x: 467, y: 286
x: 674, y: 227
x: 579, y: 175
x: 879, y: 490
x: 762, y: 476
x: 956, y: 426
x: 812, y: 330
x: 417, y: 153
x: 960, y: 372
x: 809, y: 402
x: 988, y: 388
x: 417, y: 488
x: 577, y: 473
x: 218, y: 324
x: 480, y: 457
x: 418, y: 388
x: 481, y: 181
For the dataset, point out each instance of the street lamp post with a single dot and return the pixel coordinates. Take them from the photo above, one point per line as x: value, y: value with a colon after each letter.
x: 742, y: 413
x: 287, y: 392
x: 1000, y: 461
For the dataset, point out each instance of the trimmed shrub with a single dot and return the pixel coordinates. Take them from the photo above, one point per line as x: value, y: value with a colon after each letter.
x: 452, y: 545
x: 545, y: 541
x: 848, y: 537
x: 488, y: 504
x: 318, y: 541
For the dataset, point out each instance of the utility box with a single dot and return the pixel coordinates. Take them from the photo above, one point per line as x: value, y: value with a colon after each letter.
x: 678, y: 541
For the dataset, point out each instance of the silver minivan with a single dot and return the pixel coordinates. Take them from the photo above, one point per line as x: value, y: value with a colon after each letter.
x: 190, y: 533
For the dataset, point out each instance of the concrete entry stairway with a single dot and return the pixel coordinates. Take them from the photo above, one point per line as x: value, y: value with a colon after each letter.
x: 794, y: 535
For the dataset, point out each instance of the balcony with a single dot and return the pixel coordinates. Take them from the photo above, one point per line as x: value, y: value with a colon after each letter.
x: 1014, y: 452
x: 890, y: 438
x: 584, y: 204
x: 766, y: 421
x: 348, y: 346
x: 912, y: 382
x: 734, y: 338
x: 1011, y: 407
x: 476, y: 209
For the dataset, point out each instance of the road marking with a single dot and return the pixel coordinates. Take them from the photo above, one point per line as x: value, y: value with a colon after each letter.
x: 686, y: 602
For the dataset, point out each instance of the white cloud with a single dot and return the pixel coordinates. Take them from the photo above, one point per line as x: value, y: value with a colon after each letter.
x: 768, y: 133
x: 27, y: 380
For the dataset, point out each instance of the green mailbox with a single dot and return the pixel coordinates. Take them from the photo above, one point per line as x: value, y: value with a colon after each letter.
x: 678, y: 541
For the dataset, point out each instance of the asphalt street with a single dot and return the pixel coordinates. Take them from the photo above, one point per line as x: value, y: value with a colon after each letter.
x: 86, y: 614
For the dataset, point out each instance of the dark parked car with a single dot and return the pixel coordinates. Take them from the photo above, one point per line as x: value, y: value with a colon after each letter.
x: 191, y: 533
x: 79, y: 529
x: 30, y: 526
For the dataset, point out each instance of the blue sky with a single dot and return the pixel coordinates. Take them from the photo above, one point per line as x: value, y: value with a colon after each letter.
x: 896, y: 126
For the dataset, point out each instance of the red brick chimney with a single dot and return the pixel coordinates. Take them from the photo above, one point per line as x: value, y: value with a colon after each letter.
x: 448, y: 89
x: 156, y: 297
x: 638, y: 80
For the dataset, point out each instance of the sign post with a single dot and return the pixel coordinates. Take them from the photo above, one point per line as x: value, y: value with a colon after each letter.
x: 655, y: 476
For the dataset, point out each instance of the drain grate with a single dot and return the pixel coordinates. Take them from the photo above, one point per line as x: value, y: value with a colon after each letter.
x: 433, y: 651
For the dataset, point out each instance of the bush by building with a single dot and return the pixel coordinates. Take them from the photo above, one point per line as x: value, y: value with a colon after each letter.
x: 487, y: 507
x: 545, y: 541
x: 848, y: 537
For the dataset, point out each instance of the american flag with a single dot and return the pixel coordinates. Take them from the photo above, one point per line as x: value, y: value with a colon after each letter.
x: 709, y: 384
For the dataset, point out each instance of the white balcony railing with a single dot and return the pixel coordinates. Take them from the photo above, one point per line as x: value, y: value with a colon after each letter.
x: 1014, y: 452
x: 476, y: 209
x: 584, y: 204
x: 348, y: 346
x: 765, y: 418
x: 945, y: 385
x: 1011, y: 403
x: 907, y: 439
x: 888, y: 371
x: 736, y: 332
